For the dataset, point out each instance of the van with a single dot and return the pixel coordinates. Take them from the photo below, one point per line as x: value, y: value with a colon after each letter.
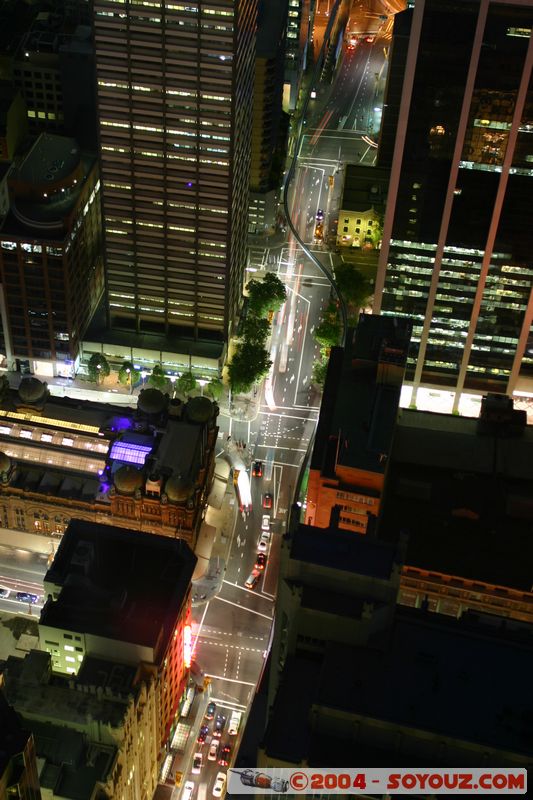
x: 234, y: 723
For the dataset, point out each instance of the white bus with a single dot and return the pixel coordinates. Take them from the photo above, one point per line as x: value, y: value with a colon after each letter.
x: 283, y: 358
x: 188, y: 703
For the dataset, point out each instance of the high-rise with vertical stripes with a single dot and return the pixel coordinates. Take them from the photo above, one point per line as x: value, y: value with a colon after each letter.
x: 457, y: 252
x: 174, y: 88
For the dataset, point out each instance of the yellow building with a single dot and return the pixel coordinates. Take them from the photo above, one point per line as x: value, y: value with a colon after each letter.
x: 363, y: 200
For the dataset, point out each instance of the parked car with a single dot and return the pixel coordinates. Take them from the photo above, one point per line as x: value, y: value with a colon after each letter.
x: 267, y: 500
x: 27, y: 597
x: 4, y: 592
x: 188, y: 791
x: 220, y: 783
x: 210, y: 711
x: 257, y: 469
x: 204, y: 730
x: 213, y: 750
x: 253, y: 579
x: 265, y: 522
x: 260, y: 561
x: 224, y: 755
x: 197, y: 763
x: 220, y: 721
x: 262, y: 544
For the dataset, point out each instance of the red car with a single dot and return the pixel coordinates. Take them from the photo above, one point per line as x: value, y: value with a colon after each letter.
x: 260, y: 561
x: 224, y: 756
x: 267, y: 500
x: 257, y: 469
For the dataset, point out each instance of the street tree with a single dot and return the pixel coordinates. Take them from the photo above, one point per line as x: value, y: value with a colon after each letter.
x: 328, y: 333
x: 320, y: 369
x: 265, y: 296
x: 98, y: 367
x: 128, y: 374
x: 158, y: 378
x: 214, y: 388
x: 255, y: 330
x: 186, y: 384
x: 354, y: 287
x: 249, y: 364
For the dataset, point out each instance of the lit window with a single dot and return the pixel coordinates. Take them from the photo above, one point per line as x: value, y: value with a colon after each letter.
x: 25, y: 434
x: 67, y: 441
x: 46, y: 437
x: 69, y: 658
x: 69, y: 648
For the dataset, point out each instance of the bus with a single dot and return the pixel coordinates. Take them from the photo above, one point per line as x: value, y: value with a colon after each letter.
x: 188, y: 703
x: 284, y: 353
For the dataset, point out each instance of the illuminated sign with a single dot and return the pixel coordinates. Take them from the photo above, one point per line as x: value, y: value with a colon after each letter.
x: 187, y: 646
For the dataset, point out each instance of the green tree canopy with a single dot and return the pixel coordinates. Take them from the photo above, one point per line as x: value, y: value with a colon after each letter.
x: 354, y: 287
x: 186, y: 383
x: 98, y: 367
x: 328, y: 333
x: 249, y: 364
x: 255, y: 330
x: 214, y: 388
x: 127, y: 373
x: 266, y: 295
x: 158, y: 378
x: 318, y: 374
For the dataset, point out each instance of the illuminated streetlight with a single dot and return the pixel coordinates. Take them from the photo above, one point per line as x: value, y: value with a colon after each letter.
x: 173, y: 382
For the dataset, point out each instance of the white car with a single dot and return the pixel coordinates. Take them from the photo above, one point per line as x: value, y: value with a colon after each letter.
x: 188, y: 791
x: 234, y: 723
x: 4, y: 592
x: 213, y: 750
x: 262, y: 544
x: 197, y: 763
x: 265, y: 523
x: 220, y: 783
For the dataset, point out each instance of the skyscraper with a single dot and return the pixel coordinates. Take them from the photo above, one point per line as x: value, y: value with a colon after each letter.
x: 174, y: 88
x: 457, y: 239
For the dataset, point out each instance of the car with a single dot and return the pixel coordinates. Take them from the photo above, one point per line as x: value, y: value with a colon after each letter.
x: 220, y: 783
x: 26, y: 597
x: 4, y: 592
x: 202, y: 736
x: 197, y: 763
x: 257, y: 469
x: 313, y: 94
x: 320, y: 215
x: 234, y: 723
x: 370, y: 38
x: 220, y: 721
x: 213, y: 750
x: 210, y: 711
x: 262, y: 544
x: 267, y: 500
x: 265, y: 523
x: 224, y: 755
x: 253, y: 579
x: 260, y: 561
x: 188, y: 790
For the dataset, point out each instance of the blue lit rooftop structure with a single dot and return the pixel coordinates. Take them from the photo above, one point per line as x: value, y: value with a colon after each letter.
x: 130, y: 452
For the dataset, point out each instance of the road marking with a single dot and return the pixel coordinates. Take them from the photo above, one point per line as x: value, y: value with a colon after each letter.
x: 231, y: 680
x: 227, y: 703
x: 244, y: 608
x: 232, y: 646
x: 200, y: 625
x: 243, y: 588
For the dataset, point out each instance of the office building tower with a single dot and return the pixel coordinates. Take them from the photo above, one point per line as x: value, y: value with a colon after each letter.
x: 457, y: 239
x: 51, y: 267
x: 299, y: 27
x: 270, y: 124
x: 175, y: 91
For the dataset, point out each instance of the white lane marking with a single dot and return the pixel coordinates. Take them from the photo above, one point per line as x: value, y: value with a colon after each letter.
x: 244, y: 608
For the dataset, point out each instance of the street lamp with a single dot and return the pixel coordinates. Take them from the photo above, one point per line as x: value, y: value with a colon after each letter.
x: 98, y: 367
x: 128, y: 371
x: 143, y: 375
x: 202, y: 383
x: 173, y: 382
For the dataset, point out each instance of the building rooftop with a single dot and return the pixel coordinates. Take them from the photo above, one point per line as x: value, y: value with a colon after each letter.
x: 361, y: 396
x: 118, y: 584
x: 13, y: 738
x: 473, y: 496
x: 101, y: 690
x: 365, y: 188
x: 72, y: 766
x: 433, y: 678
x: 343, y: 550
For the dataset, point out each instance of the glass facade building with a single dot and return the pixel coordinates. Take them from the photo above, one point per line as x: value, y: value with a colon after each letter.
x: 174, y: 87
x: 457, y: 254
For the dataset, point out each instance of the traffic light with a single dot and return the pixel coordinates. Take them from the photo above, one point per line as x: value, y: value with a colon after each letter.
x: 178, y: 778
